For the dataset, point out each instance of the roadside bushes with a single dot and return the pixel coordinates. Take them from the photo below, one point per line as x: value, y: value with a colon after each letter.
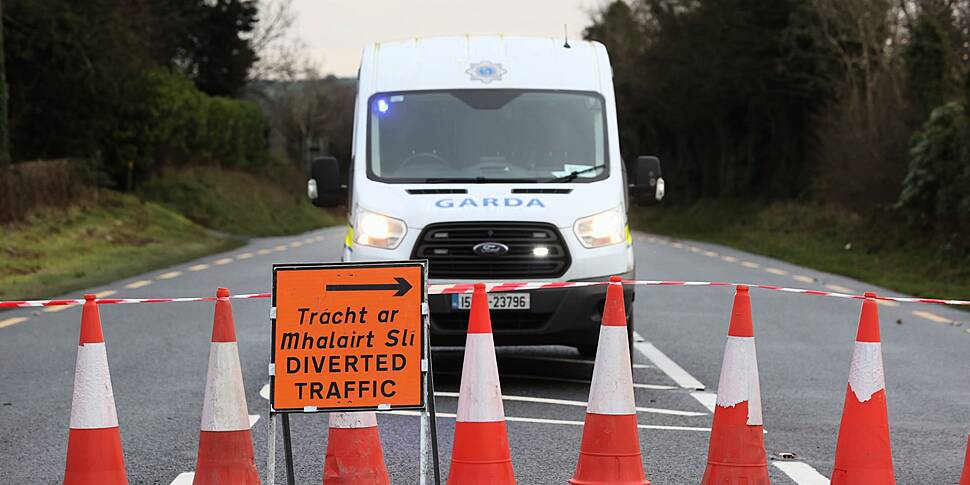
x: 27, y: 186
x: 936, y: 190
x: 179, y: 124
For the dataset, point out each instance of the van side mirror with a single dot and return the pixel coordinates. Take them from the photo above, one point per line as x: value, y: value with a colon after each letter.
x: 648, y: 184
x: 323, y: 188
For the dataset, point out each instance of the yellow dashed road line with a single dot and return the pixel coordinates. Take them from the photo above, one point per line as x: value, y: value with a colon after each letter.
x: 803, y: 278
x: 138, y: 284
x: 244, y: 256
x: 931, y: 317
x: 55, y: 309
x: 12, y: 321
x: 281, y: 247
x: 264, y: 251
x: 749, y: 264
x: 695, y: 249
x: 730, y: 259
x: 776, y: 271
x: 295, y: 244
x: 308, y: 240
x: 223, y: 261
x: 888, y: 303
x: 169, y: 275
x: 839, y: 288
x: 198, y: 267
x: 677, y: 245
x: 711, y: 254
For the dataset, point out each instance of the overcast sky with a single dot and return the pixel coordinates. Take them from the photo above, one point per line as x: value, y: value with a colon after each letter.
x: 337, y: 30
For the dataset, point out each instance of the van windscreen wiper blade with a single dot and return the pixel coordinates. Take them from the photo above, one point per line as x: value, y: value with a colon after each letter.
x: 572, y: 175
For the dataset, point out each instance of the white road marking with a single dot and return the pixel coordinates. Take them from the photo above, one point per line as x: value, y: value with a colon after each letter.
x: 223, y: 261
x: 57, y: 308
x: 185, y: 478
x: 801, y: 473
x: 888, y: 303
x: 244, y: 256
x: 839, y: 288
x: 581, y: 404
x: 12, y: 321
x: 749, y: 264
x: 707, y: 399
x: 253, y: 419
x: 516, y: 419
x: 803, y: 278
x: 564, y: 359
x: 199, y: 267
x: 695, y: 249
x: 668, y: 366
x: 931, y: 316
x: 654, y: 387
x: 776, y: 271
x: 710, y: 254
x: 281, y: 247
x: 169, y: 275
x: 264, y: 251
x: 264, y: 392
x: 730, y: 259
x: 138, y: 284
x: 677, y: 245
x: 295, y: 244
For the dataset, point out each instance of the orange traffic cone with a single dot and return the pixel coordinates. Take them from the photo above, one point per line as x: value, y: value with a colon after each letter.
x: 736, y: 454
x: 610, y: 450
x: 225, y: 440
x: 863, y: 453
x: 354, y: 454
x: 965, y: 478
x: 94, y: 452
x: 481, y: 448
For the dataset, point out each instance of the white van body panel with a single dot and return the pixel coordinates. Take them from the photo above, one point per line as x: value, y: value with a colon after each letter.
x: 443, y: 63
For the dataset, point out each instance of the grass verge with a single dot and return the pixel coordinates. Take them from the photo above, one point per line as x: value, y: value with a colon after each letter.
x: 106, y: 237
x: 243, y: 203
x: 821, y: 237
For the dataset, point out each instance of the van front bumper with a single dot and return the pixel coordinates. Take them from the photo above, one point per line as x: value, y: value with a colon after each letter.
x: 561, y: 316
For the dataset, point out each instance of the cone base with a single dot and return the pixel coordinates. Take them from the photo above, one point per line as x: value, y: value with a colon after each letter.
x: 736, y: 455
x: 481, y: 455
x: 95, y: 456
x: 355, y: 457
x: 226, y: 457
x: 610, y: 451
x: 863, y: 453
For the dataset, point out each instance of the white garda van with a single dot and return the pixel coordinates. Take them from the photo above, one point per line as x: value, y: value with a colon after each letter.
x: 496, y: 159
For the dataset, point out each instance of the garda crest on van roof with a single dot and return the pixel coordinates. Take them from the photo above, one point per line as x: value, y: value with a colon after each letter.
x: 486, y: 71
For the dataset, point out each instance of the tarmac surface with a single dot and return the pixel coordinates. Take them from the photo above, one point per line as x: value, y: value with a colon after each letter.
x: 158, y: 356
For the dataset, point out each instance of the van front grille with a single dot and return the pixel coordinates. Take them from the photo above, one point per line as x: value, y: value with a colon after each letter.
x: 449, y: 249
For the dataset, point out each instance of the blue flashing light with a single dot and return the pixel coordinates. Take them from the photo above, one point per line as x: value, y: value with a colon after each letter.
x: 382, y: 105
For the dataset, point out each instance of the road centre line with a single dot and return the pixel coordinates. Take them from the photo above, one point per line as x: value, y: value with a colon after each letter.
x: 801, y: 473
x: 711, y: 254
x: 749, y: 264
x: 776, y: 271
x: 138, y: 284
x: 12, y: 321
x: 296, y: 244
x: 223, y: 261
x: 931, y: 316
x: 264, y: 251
x: 582, y: 404
x: 730, y: 259
x: 169, y: 275
x: 516, y: 419
x: 244, y: 256
x: 677, y: 245
x: 803, y: 278
x: 199, y: 267
x: 281, y: 247
x: 668, y: 366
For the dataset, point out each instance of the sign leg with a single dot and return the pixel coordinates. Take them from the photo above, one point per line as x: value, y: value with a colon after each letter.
x: 288, y: 450
x: 271, y: 451
x: 433, y: 421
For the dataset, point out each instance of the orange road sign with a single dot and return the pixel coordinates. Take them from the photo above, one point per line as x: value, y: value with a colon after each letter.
x: 348, y: 336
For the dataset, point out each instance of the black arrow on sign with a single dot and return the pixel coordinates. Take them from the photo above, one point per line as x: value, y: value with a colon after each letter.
x: 402, y: 286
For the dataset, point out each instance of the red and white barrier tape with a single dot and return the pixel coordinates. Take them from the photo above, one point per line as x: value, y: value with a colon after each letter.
x: 497, y: 287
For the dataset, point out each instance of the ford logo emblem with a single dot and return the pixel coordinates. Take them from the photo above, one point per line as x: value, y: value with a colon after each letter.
x: 490, y: 249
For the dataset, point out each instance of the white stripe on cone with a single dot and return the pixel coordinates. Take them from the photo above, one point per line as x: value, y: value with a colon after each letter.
x: 480, y: 395
x: 365, y: 419
x: 94, y: 403
x: 866, y: 374
x: 739, y: 378
x: 611, y: 390
x: 224, y: 408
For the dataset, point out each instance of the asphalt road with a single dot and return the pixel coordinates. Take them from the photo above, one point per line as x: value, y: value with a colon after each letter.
x: 158, y: 354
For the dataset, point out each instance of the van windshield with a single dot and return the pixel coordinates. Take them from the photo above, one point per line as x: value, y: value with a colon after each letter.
x: 487, y: 136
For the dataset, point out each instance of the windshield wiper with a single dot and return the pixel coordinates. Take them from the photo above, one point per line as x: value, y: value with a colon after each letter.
x: 572, y: 175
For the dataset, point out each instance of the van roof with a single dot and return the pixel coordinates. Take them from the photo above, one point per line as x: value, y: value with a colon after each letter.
x: 484, y: 62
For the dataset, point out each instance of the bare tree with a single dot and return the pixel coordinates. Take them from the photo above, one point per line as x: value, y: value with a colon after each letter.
x: 277, y: 51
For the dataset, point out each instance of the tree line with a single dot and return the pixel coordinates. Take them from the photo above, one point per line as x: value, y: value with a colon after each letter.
x: 860, y: 102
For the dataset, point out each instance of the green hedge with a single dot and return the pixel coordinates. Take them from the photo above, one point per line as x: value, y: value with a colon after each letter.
x: 178, y: 124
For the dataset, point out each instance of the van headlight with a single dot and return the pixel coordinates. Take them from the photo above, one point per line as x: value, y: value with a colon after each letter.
x: 377, y: 230
x: 602, y: 229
